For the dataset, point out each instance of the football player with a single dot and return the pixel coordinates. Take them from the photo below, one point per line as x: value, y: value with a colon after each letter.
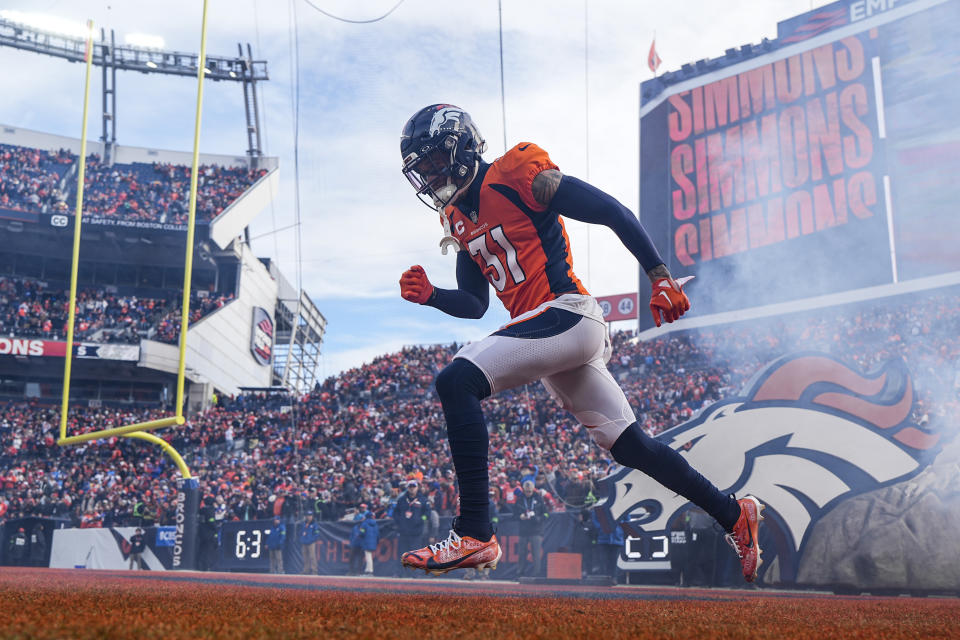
x: 505, y: 221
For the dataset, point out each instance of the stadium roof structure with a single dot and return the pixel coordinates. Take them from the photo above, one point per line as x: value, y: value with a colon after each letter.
x: 112, y: 57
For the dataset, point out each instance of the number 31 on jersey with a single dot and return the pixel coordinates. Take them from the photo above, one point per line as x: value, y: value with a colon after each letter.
x: 495, y: 271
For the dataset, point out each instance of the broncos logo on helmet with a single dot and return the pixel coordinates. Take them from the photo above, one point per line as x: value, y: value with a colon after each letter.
x: 807, y: 432
x: 445, y: 118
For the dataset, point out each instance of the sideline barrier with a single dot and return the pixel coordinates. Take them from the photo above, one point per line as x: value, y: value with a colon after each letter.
x: 110, y: 548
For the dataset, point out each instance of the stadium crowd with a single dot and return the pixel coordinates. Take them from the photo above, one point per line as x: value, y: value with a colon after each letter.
x: 30, y: 181
x: 168, y: 326
x: 359, y: 439
x: 30, y: 178
x: 31, y: 308
x: 160, y: 192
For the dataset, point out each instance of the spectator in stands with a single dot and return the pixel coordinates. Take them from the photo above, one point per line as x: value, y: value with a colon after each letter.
x: 244, y: 509
x: 370, y: 532
x: 410, y: 516
x: 309, y: 534
x: 160, y: 192
x: 356, y: 544
x: 33, y: 180
x: 207, y: 533
x: 579, y: 491
x: 585, y: 541
x: 137, y: 546
x: 30, y: 179
x: 34, y: 308
x: 609, y: 545
x: 531, y: 511
x: 17, y: 548
x: 38, y: 546
x: 276, y: 539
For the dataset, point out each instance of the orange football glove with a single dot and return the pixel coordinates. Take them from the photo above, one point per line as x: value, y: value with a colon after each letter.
x: 669, y: 299
x: 414, y: 285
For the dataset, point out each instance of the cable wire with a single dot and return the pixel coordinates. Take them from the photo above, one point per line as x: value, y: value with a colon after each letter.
x: 503, y: 101
x: 330, y: 15
x: 294, y: 44
x: 295, y: 108
x: 586, y: 113
x: 275, y: 231
x: 266, y: 146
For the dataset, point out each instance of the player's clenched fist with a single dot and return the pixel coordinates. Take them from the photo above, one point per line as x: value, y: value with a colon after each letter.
x: 668, y: 299
x: 414, y: 285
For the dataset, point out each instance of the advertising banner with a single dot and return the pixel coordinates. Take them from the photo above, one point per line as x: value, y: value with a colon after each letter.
x: 110, y: 548
x: 65, y: 221
x: 39, y: 348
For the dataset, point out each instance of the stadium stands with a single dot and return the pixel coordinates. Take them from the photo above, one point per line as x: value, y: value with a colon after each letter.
x: 33, y: 308
x: 168, y: 327
x: 32, y: 180
x: 360, y: 435
x: 160, y: 192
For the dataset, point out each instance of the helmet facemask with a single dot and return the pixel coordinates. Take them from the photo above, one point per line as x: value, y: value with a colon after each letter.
x: 441, y: 150
x: 436, y: 174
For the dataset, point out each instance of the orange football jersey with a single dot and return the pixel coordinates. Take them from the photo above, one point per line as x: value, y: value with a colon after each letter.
x: 522, y: 249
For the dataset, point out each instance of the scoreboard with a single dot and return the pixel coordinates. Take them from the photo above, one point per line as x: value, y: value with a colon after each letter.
x: 816, y: 163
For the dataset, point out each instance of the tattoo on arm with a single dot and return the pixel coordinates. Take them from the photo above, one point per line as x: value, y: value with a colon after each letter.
x: 545, y: 185
x: 659, y: 271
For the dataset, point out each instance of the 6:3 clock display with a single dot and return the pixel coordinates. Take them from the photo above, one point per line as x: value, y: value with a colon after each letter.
x: 243, y: 545
x: 248, y: 543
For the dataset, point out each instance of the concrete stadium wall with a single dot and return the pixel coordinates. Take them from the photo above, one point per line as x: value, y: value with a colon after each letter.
x: 218, y: 346
x: 241, y: 212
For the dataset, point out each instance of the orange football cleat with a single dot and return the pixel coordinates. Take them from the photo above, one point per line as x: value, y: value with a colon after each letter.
x: 744, y: 538
x: 454, y: 553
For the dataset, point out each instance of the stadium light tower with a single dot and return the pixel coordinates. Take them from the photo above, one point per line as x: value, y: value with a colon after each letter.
x: 111, y: 57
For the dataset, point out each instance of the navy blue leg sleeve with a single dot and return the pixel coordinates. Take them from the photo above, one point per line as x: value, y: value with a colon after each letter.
x: 637, y: 450
x: 461, y: 386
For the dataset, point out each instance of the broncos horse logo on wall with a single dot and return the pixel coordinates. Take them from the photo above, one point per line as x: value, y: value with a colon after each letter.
x: 807, y: 433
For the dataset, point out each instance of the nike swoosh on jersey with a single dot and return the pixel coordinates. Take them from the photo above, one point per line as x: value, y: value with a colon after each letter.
x: 433, y: 564
x: 524, y: 147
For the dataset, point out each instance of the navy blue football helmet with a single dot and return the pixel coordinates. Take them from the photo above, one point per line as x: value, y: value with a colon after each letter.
x: 441, y: 148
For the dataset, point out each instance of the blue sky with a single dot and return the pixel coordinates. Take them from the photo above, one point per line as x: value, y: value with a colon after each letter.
x: 362, y: 225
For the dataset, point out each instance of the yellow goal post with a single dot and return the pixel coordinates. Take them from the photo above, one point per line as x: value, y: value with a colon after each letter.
x: 137, y: 430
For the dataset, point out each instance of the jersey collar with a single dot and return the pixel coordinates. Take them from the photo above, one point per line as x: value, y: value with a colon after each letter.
x: 469, y: 205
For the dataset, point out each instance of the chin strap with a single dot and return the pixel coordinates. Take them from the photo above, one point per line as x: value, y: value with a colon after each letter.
x: 447, y: 240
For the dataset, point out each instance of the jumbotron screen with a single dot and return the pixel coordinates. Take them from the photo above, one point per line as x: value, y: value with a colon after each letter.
x: 823, y: 161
